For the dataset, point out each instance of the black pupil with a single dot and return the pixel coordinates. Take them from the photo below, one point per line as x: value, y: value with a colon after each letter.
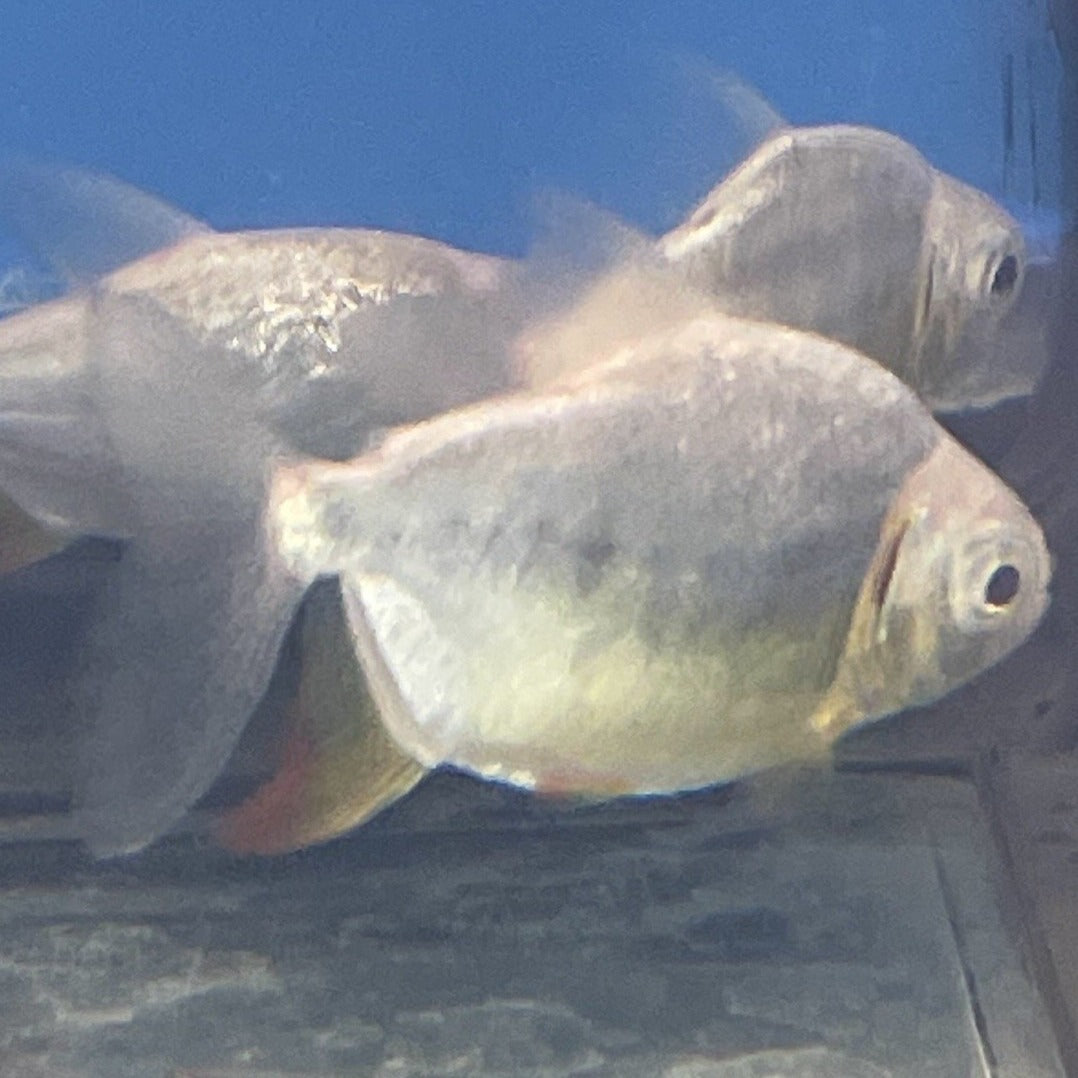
x: 1006, y: 275
x: 1002, y: 586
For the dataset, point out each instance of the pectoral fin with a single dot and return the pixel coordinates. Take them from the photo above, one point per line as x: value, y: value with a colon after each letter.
x: 339, y: 766
x: 413, y: 671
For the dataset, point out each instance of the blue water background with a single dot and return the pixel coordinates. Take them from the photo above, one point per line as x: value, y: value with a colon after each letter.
x: 446, y: 118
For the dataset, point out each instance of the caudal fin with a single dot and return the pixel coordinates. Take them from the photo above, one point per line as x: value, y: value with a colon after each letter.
x: 56, y: 460
x: 183, y: 646
x: 187, y: 635
x: 22, y: 539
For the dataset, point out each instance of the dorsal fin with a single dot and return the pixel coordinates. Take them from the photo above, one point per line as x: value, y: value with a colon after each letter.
x: 756, y: 117
x: 84, y: 224
x: 338, y: 766
x: 575, y: 242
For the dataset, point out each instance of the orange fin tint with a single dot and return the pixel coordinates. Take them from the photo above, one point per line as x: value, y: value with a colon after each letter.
x: 339, y: 766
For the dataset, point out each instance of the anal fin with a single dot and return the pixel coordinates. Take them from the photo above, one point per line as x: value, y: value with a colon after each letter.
x: 339, y: 766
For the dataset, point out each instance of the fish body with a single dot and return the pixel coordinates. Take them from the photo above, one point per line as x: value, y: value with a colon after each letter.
x: 842, y: 230
x: 148, y: 405
x: 321, y: 337
x: 714, y: 552
x: 151, y: 403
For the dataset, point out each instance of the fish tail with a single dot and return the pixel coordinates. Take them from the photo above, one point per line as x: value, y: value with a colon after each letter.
x: 183, y: 645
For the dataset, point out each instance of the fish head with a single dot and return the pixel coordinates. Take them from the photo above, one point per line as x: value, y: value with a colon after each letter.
x: 974, y: 263
x: 959, y: 579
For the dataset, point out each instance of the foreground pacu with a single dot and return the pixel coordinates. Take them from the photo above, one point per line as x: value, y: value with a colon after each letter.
x: 714, y: 552
x: 846, y: 231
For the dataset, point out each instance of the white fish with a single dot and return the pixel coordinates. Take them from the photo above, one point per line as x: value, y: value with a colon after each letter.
x: 846, y: 231
x: 716, y: 551
x: 148, y: 405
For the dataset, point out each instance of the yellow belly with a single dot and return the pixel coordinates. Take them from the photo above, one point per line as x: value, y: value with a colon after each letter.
x: 551, y: 689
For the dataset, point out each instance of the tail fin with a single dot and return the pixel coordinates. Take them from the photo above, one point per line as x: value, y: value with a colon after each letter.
x: 187, y: 634
x: 22, y: 539
x: 183, y: 646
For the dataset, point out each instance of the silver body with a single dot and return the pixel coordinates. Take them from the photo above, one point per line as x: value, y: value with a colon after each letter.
x: 682, y: 565
x: 150, y: 405
x: 847, y: 232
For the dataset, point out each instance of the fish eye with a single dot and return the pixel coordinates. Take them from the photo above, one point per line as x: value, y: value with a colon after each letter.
x: 1005, y: 277
x: 1002, y: 586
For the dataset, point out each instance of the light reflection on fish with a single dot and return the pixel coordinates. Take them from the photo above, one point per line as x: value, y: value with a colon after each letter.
x: 714, y: 552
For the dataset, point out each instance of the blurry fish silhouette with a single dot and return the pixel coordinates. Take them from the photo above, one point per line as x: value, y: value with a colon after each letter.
x: 846, y: 231
x: 716, y: 551
x: 149, y: 403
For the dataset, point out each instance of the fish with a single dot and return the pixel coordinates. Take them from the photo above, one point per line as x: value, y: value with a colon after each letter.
x: 147, y: 406
x: 842, y: 230
x: 743, y: 249
x: 714, y: 551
